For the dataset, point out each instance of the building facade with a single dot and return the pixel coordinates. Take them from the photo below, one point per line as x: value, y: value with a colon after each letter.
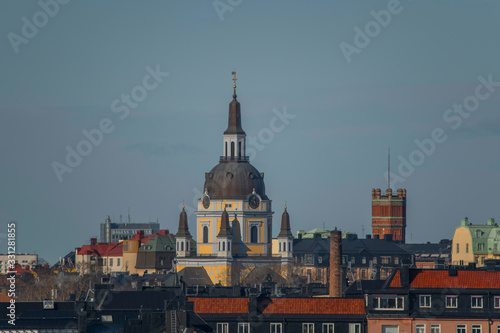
x: 115, y: 232
x: 475, y: 243
x: 389, y: 214
x: 234, y: 216
x: 436, y: 301
x: 26, y: 261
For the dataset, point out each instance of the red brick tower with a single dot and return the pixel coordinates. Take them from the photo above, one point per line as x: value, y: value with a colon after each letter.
x: 389, y: 214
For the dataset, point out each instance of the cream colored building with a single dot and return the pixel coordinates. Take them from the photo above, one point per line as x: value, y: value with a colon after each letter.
x: 474, y: 243
x: 23, y: 260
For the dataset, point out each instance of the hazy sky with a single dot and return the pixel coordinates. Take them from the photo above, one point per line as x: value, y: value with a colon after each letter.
x: 349, y: 95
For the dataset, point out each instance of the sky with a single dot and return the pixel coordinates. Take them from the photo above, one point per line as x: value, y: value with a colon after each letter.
x: 137, y: 93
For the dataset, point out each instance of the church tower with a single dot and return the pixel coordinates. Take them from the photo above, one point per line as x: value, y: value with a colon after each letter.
x: 183, y: 237
x: 238, y: 187
x: 285, y: 237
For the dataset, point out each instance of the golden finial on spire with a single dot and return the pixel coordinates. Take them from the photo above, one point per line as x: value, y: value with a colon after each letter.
x: 183, y: 204
x: 235, y: 79
x: 285, y: 204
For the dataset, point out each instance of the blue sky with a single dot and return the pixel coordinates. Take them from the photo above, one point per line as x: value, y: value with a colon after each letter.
x: 64, y: 78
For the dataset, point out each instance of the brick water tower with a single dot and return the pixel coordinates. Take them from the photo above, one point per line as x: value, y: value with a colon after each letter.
x: 389, y: 214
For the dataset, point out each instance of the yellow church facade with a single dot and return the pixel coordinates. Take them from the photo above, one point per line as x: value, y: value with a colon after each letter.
x: 234, y: 217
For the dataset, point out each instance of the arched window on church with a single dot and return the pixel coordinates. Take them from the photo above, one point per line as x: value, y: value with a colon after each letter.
x: 284, y: 247
x: 223, y: 246
x: 280, y: 246
x: 205, y: 234
x: 253, y: 234
x: 182, y: 246
x: 239, y: 149
x: 226, y: 150
x: 232, y: 149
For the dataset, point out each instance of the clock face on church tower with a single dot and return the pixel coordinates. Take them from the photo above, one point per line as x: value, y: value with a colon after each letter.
x: 254, y: 202
x: 206, y: 201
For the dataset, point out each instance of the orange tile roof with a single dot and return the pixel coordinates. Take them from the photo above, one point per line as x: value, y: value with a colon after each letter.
x: 220, y: 304
x: 465, y: 279
x: 280, y: 305
x: 4, y: 298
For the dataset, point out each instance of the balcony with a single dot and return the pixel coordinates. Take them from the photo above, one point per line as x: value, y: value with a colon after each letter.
x: 234, y: 159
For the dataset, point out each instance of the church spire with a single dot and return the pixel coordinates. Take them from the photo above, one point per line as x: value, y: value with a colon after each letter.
x: 234, y: 121
x: 183, y: 225
x: 285, y: 225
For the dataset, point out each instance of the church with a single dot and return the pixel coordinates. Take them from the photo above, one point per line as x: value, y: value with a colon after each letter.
x: 234, y: 216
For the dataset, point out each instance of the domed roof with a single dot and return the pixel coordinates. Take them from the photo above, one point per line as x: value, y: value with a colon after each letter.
x: 234, y: 180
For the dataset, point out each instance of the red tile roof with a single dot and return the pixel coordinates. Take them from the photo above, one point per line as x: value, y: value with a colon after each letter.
x: 465, y: 279
x: 220, y: 304
x: 102, y: 250
x: 281, y: 305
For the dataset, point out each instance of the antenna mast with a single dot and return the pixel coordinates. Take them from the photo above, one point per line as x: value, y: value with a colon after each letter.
x: 389, y: 169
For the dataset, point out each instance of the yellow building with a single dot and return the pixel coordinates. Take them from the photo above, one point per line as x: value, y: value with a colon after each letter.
x: 473, y: 243
x: 234, y: 216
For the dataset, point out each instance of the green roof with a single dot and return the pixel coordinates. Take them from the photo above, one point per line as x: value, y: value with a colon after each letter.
x: 161, y: 243
x: 485, y: 237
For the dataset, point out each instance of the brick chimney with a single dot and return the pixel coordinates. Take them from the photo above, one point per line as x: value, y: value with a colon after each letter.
x: 335, y: 263
x: 93, y: 241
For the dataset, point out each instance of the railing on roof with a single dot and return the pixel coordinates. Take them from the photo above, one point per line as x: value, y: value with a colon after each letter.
x: 234, y: 158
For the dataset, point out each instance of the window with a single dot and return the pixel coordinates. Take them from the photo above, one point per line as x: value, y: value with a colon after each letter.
x: 276, y: 328
x: 419, y: 328
x: 467, y: 248
x: 476, y: 302
x: 307, y: 328
x: 496, y: 302
x: 461, y: 328
x: 425, y: 301
x: 205, y: 234
x: 451, y: 301
x: 476, y: 328
x: 435, y: 328
x: 374, y: 260
x: 327, y: 328
x: 243, y: 328
x: 353, y: 260
x: 118, y: 262
x: 354, y: 328
x: 498, y: 328
x: 478, y: 233
x: 396, y: 260
x: 388, y: 303
x: 253, y: 234
x: 363, y: 260
x: 110, y: 261
x: 320, y: 259
x: 458, y: 251
x: 385, y: 260
x: 222, y: 327
x: 344, y: 259
x: 480, y: 246
x: 182, y: 246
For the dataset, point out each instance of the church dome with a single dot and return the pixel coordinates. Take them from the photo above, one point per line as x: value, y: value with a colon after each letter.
x: 235, y: 180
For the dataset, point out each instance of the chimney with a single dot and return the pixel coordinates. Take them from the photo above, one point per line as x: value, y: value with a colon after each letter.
x: 163, y: 232
x: 335, y: 263
x: 93, y: 241
x: 405, y: 274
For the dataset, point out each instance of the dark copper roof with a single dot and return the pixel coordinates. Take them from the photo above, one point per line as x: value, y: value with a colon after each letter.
x: 234, y: 121
x: 183, y: 225
x: 235, y: 180
x: 225, y: 229
x: 285, y: 225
